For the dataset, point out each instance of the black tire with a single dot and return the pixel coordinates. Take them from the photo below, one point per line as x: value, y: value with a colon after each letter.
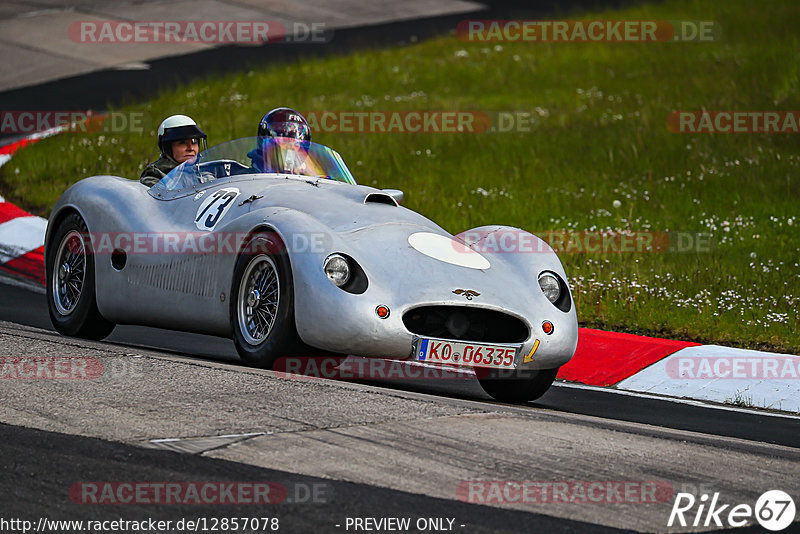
x: 280, y: 338
x: 71, y: 293
x: 518, y: 389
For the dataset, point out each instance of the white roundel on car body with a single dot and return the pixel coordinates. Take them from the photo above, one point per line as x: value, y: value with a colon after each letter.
x: 214, y: 208
x: 448, y: 250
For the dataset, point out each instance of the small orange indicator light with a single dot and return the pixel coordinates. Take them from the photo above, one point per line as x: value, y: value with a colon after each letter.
x: 382, y: 311
x: 547, y: 327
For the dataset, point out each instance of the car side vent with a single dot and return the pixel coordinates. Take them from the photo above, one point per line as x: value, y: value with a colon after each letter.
x: 379, y: 198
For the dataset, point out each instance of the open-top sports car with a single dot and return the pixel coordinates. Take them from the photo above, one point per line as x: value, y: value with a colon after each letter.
x: 271, y: 242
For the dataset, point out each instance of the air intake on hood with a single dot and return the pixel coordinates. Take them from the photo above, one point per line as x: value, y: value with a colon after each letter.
x: 379, y: 198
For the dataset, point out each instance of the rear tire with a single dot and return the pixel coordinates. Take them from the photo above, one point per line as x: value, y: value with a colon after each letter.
x: 70, y: 282
x: 262, y: 302
x: 518, y: 390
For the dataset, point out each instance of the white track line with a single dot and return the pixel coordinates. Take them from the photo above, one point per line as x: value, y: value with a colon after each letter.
x: 226, y: 436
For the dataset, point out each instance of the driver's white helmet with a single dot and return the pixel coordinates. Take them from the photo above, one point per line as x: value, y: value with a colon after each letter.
x: 176, y: 128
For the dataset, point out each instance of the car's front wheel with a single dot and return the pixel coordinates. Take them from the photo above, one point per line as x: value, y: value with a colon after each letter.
x: 262, y: 302
x: 70, y: 278
x: 523, y: 387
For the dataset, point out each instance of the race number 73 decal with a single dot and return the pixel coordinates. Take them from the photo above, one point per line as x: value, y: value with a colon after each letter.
x: 214, y: 208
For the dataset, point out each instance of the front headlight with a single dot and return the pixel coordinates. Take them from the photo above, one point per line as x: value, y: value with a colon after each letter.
x: 550, y: 287
x: 337, y: 269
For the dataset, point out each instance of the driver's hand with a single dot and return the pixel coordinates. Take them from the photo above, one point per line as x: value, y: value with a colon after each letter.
x: 205, y: 177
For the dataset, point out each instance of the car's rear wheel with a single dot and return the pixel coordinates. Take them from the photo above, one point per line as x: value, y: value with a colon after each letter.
x: 70, y: 278
x: 530, y: 386
x: 262, y: 302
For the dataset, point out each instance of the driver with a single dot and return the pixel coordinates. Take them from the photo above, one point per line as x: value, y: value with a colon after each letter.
x: 179, y: 139
x: 278, y: 123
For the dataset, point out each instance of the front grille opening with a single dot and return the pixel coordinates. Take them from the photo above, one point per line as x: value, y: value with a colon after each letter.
x: 465, y: 323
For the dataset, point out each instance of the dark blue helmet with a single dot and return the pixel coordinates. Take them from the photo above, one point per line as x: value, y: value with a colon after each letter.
x: 284, y: 122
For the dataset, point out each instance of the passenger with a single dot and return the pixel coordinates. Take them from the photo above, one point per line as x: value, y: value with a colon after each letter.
x: 179, y: 139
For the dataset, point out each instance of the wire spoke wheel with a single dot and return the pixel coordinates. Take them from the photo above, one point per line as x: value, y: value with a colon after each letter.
x: 71, y: 289
x: 262, y: 302
x: 69, y: 273
x: 258, y: 299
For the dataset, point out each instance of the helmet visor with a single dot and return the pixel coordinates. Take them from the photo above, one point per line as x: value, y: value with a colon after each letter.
x: 294, y: 130
x: 183, y: 132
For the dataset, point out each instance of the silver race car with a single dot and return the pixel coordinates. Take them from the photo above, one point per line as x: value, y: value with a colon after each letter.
x: 272, y: 243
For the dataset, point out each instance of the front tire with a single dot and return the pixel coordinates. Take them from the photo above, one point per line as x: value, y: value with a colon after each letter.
x: 70, y: 279
x: 518, y: 389
x: 262, y: 302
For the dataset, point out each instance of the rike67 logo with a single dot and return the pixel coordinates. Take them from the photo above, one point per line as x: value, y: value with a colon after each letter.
x: 774, y: 510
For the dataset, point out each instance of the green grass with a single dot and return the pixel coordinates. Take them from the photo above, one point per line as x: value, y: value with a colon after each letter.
x: 599, y: 135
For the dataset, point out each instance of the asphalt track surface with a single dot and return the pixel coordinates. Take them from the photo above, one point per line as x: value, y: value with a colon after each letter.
x: 22, y: 306
x: 58, y: 458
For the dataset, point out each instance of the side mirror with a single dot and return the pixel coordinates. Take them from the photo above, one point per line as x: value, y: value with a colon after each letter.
x: 396, y: 194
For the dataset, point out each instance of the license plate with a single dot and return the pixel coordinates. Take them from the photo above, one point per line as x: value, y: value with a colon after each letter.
x: 467, y: 354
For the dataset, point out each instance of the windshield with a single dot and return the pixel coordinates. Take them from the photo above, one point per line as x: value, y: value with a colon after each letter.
x: 258, y: 155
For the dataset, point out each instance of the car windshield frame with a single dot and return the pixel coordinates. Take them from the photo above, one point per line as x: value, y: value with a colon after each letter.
x: 254, y: 157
